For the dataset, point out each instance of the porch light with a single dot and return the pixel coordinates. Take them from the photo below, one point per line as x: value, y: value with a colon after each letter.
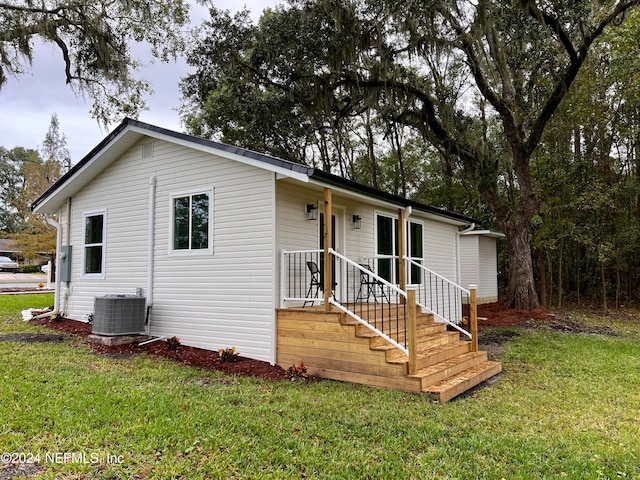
x: 312, y: 211
x: 357, y: 222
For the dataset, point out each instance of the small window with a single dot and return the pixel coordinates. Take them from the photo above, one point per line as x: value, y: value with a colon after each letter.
x: 93, y: 245
x: 191, y: 223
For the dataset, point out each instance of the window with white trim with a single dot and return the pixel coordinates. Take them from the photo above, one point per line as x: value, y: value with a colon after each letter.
x: 93, y: 247
x: 191, y: 216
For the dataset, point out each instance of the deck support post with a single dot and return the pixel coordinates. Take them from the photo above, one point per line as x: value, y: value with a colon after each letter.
x: 402, y: 274
x: 473, y: 316
x: 328, y: 263
x: 412, y: 341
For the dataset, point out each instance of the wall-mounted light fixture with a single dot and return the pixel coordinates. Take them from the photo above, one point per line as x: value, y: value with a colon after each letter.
x: 357, y: 222
x: 311, y: 211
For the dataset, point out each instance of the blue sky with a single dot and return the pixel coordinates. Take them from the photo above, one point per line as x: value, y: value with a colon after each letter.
x: 28, y: 101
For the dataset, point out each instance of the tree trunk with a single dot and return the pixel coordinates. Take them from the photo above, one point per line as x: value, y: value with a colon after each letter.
x: 578, y: 277
x: 603, y: 280
x: 543, y: 277
x: 521, y: 291
x: 617, y: 285
x: 560, y: 272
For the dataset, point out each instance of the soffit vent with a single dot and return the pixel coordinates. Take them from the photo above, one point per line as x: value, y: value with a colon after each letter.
x: 147, y: 150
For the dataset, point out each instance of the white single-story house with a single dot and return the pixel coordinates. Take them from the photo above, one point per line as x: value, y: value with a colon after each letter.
x: 216, y: 238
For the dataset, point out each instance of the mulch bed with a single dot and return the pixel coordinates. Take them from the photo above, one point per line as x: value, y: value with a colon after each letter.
x: 497, y: 315
x: 490, y: 315
x: 191, y: 356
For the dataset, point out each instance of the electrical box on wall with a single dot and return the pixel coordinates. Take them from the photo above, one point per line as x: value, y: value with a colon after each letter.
x: 65, y: 263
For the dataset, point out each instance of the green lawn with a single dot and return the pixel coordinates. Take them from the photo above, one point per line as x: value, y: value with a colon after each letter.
x: 567, y: 406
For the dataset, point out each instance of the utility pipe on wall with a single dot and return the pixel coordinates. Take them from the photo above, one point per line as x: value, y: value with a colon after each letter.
x: 150, y: 239
x: 150, y: 246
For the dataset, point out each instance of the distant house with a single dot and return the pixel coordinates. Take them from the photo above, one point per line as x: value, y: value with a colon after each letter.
x: 7, y: 249
x: 225, y: 244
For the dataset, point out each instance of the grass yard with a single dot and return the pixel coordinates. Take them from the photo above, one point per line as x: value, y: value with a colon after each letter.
x: 567, y: 406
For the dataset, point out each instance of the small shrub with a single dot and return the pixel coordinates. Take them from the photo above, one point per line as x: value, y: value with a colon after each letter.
x: 228, y: 354
x: 26, y: 268
x: 172, y: 343
x: 298, y: 372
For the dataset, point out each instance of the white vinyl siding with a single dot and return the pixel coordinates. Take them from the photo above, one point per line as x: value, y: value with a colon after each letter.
x: 479, y: 265
x: 469, y: 262
x: 211, y: 302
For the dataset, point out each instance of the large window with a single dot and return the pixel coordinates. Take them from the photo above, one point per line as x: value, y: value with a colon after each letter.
x: 387, y: 263
x: 93, y: 245
x: 191, y: 223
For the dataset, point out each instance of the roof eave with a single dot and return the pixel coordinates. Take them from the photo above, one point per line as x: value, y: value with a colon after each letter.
x: 99, y: 158
x: 329, y: 179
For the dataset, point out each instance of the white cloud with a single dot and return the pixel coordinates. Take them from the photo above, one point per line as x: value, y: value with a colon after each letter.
x: 28, y: 101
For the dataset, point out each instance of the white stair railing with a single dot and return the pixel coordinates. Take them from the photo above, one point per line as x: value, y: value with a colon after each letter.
x: 370, y: 300
x: 440, y: 296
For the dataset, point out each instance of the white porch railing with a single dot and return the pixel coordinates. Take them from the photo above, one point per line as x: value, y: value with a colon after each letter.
x: 357, y: 291
x: 370, y: 299
x: 297, y: 282
x: 440, y: 296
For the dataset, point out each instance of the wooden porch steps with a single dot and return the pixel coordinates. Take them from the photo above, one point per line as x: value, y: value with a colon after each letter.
x: 333, y: 345
x: 453, y: 386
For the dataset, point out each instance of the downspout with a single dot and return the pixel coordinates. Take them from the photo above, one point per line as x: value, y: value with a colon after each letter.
x: 150, y: 248
x: 458, y: 235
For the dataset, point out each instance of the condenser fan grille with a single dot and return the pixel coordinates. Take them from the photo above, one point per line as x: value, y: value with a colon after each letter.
x: 118, y: 315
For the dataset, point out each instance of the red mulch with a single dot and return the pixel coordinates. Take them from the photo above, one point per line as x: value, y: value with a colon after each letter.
x: 491, y: 315
x: 191, y: 356
x: 497, y: 315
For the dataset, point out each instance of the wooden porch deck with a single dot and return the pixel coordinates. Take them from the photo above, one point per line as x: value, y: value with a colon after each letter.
x: 335, y: 346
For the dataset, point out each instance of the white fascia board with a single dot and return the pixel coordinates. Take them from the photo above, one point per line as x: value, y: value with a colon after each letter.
x: 439, y: 218
x: 485, y: 233
x: 222, y: 153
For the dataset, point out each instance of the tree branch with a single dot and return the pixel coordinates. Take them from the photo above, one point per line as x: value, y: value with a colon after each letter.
x: 570, y: 74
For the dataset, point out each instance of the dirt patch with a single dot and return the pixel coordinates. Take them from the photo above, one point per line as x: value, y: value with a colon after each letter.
x: 569, y: 325
x: 496, y: 336
x: 9, y: 471
x: 191, y: 356
x: 31, y: 337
